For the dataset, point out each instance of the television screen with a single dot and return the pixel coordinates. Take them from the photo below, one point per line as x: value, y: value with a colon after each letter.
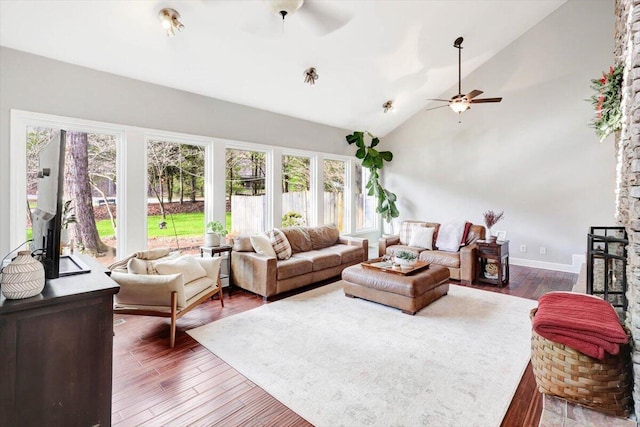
x: 46, y: 219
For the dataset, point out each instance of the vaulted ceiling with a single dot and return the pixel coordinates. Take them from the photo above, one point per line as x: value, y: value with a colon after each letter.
x: 365, y: 52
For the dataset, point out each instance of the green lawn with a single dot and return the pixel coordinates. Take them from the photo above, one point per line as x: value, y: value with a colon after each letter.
x: 186, y: 224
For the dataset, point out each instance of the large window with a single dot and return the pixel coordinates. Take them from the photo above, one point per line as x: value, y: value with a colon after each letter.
x: 89, y: 217
x: 296, y: 190
x: 175, y: 195
x: 365, y: 204
x: 334, y: 179
x: 246, y: 191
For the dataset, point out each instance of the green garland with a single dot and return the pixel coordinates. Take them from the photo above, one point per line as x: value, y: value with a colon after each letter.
x: 606, y: 102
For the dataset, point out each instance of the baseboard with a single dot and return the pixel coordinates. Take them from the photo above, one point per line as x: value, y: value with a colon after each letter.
x: 577, y: 260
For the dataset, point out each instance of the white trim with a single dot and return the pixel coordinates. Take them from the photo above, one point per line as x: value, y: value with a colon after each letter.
x: 577, y: 261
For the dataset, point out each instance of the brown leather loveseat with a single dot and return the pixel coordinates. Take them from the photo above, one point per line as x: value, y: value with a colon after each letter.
x: 318, y: 253
x: 461, y: 262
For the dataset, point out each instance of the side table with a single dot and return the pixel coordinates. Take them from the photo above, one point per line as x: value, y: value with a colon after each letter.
x: 492, y: 262
x: 219, y: 250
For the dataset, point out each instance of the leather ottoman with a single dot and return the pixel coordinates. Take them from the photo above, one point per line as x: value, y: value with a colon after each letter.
x: 408, y: 293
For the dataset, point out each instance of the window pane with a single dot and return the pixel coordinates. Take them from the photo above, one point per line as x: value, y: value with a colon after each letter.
x: 175, y: 196
x: 365, y: 204
x: 89, y: 212
x: 334, y: 180
x: 246, y: 191
x: 296, y: 186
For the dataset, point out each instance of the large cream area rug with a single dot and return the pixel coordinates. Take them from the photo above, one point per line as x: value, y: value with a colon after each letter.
x: 341, y: 361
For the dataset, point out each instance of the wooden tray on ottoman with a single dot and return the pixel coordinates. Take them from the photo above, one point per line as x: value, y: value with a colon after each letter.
x: 387, y: 267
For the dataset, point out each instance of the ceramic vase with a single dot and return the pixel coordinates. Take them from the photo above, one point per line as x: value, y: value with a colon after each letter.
x: 211, y: 240
x: 23, y: 277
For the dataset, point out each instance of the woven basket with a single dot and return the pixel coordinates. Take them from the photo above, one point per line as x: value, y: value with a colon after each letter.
x: 604, y: 385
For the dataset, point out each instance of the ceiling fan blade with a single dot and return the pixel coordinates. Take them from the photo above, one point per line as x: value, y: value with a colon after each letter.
x: 438, y: 99
x: 322, y: 18
x: 435, y: 108
x: 484, y: 100
x: 474, y: 93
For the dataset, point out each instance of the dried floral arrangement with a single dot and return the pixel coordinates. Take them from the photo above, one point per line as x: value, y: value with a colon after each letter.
x: 491, y: 218
x: 606, y: 102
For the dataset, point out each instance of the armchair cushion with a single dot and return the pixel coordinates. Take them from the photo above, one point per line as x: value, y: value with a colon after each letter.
x: 148, y: 289
x: 137, y: 266
x: 187, y: 265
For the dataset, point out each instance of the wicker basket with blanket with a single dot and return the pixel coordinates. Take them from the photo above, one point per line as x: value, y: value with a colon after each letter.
x: 584, y: 355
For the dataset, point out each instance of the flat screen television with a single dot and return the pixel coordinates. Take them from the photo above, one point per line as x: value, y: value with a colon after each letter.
x: 46, y: 219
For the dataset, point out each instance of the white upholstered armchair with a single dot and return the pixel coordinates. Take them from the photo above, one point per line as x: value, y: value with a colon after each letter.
x: 160, y: 283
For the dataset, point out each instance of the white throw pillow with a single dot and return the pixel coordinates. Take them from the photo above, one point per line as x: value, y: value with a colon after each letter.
x: 137, y: 266
x: 450, y: 236
x: 187, y: 265
x: 262, y: 245
x: 422, y: 237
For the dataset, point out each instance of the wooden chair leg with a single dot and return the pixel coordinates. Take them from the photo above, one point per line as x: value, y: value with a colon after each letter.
x: 220, y: 292
x: 174, y: 315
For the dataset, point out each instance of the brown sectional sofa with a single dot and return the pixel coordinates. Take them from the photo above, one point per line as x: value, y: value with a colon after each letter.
x: 461, y: 264
x: 319, y: 253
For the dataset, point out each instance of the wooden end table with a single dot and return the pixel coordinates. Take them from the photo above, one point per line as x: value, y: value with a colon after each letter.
x: 219, y: 250
x: 492, y: 262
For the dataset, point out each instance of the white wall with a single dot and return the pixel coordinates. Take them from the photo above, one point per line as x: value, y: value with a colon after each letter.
x: 33, y: 83
x: 532, y: 155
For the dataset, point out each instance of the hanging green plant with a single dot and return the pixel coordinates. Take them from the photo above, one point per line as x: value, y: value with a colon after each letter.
x: 606, y: 102
x: 373, y: 160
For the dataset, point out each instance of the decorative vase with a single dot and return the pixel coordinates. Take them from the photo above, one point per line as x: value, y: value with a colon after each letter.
x: 211, y: 240
x: 23, y: 277
x: 487, y: 237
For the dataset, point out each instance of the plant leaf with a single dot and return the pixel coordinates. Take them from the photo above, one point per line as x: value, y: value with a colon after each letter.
x: 374, y: 142
x: 361, y: 153
x: 386, y: 155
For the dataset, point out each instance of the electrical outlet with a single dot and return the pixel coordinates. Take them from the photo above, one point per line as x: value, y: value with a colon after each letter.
x: 543, y: 250
x: 523, y: 248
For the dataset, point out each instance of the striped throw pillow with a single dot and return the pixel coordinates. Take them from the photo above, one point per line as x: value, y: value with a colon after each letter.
x: 280, y: 244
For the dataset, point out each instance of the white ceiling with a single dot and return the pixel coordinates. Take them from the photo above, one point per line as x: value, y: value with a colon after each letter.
x: 366, y: 52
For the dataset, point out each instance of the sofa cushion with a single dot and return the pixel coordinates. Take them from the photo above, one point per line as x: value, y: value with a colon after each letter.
x: 187, y: 265
x: 422, y: 237
x: 348, y: 253
x: 446, y: 259
x: 242, y: 244
x: 280, y: 244
x: 137, y: 266
x: 450, y: 236
x: 194, y: 287
x: 323, y: 236
x: 321, y: 259
x: 298, y: 238
x: 293, y: 267
x: 262, y: 245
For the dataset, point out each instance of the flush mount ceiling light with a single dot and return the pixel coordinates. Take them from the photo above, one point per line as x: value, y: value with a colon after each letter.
x: 388, y: 106
x: 285, y: 7
x: 310, y: 76
x: 170, y: 19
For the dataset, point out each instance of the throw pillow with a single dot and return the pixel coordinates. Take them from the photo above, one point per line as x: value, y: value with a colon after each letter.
x: 465, y: 233
x: 422, y: 237
x: 406, y: 227
x: 136, y: 266
x: 262, y: 245
x: 187, y: 265
x: 450, y: 236
x: 280, y: 244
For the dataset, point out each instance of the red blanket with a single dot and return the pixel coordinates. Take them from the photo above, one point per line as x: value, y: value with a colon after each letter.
x: 585, y: 323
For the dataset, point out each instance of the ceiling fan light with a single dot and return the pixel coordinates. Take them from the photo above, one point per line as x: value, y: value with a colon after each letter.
x: 285, y: 7
x: 170, y: 19
x: 460, y: 106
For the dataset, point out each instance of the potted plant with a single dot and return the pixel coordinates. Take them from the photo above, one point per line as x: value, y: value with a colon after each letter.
x: 68, y: 217
x: 405, y: 258
x: 215, y: 230
x: 490, y: 219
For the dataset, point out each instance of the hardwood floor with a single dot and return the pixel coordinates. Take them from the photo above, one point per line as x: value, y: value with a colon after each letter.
x: 155, y: 385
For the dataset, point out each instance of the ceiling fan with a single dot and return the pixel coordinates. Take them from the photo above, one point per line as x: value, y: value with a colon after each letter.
x: 321, y: 18
x: 460, y: 103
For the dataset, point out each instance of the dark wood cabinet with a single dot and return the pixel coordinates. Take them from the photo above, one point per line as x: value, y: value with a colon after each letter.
x: 492, y: 262
x: 56, y: 353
